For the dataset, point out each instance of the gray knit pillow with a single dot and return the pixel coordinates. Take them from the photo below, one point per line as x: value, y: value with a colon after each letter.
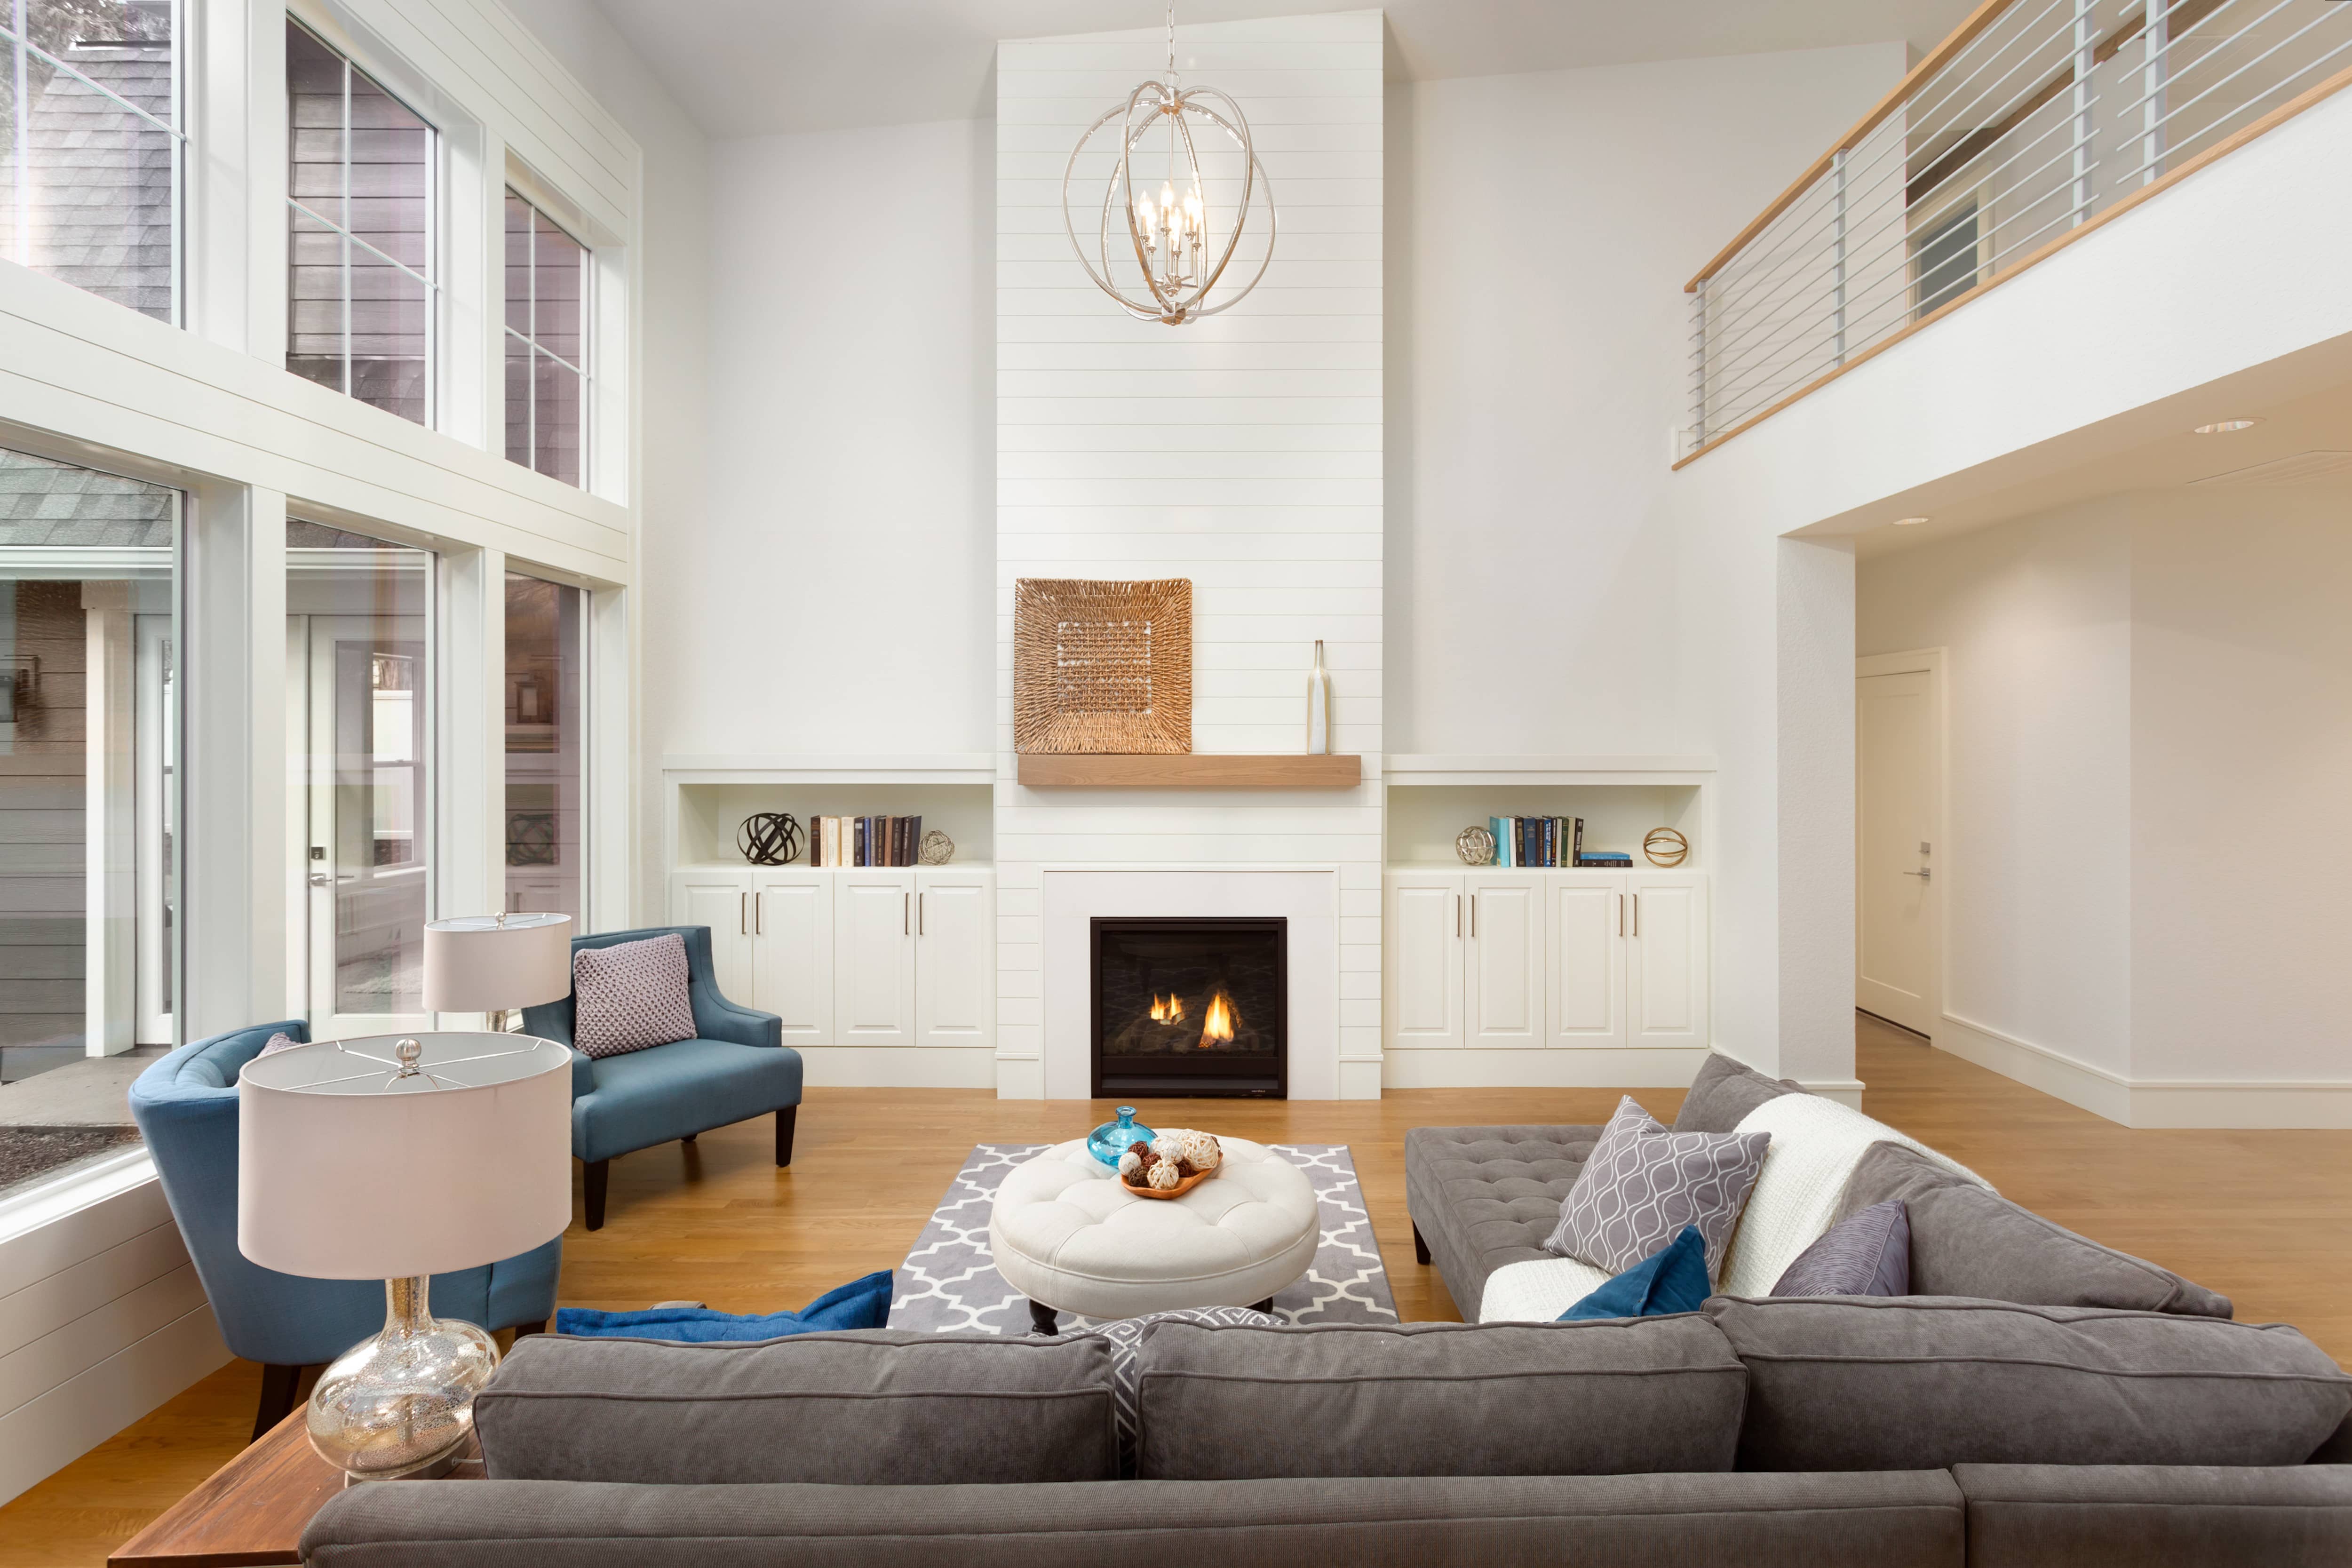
x: 631, y: 995
x: 1642, y: 1184
x: 1868, y: 1253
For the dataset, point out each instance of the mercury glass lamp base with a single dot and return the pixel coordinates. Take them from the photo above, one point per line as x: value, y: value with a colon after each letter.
x: 401, y: 1404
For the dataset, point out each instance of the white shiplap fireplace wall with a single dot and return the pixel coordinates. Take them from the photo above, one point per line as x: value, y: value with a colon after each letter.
x: 1242, y: 451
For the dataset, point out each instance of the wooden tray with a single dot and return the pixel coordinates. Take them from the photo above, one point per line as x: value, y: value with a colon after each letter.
x: 1178, y: 1191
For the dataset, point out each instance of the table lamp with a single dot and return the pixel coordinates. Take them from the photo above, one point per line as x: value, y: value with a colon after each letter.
x: 398, y: 1158
x: 496, y: 963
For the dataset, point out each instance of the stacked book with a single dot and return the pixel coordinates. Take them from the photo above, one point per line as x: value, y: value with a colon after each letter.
x: 865, y: 840
x: 1549, y: 842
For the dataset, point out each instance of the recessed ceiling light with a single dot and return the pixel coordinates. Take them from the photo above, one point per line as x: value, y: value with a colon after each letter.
x: 2223, y: 426
x: 1909, y: 522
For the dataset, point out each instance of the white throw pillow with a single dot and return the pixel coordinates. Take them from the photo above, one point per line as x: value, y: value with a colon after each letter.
x: 631, y: 995
x: 1816, y: 1144
x: 1537, y: 1289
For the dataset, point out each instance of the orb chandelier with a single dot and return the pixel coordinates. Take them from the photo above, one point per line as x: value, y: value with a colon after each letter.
x: 1176, y: 241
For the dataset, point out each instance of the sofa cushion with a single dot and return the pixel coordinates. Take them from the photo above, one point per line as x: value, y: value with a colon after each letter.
x: 650, y: 1097
x: 1966, y: 1240
x: 1916, y: 1382
x: 1868, y: 1253
x: 1438, y: 1399
x: 879, y: 1407
x: 1724, y: 1092
x: 2128, y: 1516
x: 1643, y: 1184
x: 631, y: 995
x: 1125, y: 1339
x: 1485, y: 1196
x: 1816, y: 1144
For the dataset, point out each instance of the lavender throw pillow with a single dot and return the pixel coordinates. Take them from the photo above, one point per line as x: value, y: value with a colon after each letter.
x: 280, y: 1041
x: 1642, y: 1184
x: 1868, y: 1253
x: 631, y: 995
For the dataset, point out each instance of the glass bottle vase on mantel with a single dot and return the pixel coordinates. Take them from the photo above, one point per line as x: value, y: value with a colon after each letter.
x: 1319, y: 706
x: 1111, y: 1139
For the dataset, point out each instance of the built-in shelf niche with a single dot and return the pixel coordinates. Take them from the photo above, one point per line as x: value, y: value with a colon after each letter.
x: 1423, y: 819
x: 709, y: 814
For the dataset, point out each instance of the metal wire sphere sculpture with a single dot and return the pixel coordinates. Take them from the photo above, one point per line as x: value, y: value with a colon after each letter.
x: 936, y: 848
x: 770, y: 838
x: 1178, y: 258
x: 1476, y: 845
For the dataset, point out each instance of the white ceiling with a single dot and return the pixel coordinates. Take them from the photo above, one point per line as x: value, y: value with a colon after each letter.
x: 752, y: 67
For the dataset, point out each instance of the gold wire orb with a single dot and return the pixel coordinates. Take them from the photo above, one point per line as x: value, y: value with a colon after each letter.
x: 1665, y: 847
x: 1476, y: 845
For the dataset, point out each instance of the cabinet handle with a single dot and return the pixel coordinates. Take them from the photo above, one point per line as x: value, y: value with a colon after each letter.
x: 1474, y: 917
x: 1457, y: 915
x: 922, y: 914
x: 1620, y: 914
x: 744, y: 914
x: 1637, y: 914
x: 906, y: 916
x: 760, y: 913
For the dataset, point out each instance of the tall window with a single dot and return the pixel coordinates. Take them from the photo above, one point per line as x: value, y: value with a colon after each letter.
x: 547, y: 344
x: 361, y: 294
x: 90, y: 147
x: 546, y: 755
x: 359, y: 726
x: 87, y: 738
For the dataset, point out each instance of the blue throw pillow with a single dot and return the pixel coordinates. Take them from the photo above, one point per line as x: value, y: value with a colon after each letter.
x: 860, y: 1304
x: 1671, y: 1280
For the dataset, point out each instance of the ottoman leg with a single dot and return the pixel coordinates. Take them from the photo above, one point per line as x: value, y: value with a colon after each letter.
x: 1041, y: 1318
x: 1420, y: 1248
x: 1266, y: 1306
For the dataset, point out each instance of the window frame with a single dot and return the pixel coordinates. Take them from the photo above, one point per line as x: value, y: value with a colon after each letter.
x: 589, y: 339
x: 16, y: 37
x: 436, y: 184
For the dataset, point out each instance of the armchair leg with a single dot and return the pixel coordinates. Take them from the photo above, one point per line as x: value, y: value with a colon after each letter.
x: 784, y: 1120
x: 280, y: 1385
x: 598, y: 1173
x: 1420, y: 1247
x: 524, y: 1331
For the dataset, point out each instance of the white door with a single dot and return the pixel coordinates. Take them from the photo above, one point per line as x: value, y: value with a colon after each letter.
x: 1421, y: 974
x: 792, y: 952
x: 1666, y: 980
x: 955, y: 958
x: 1586, y: 998
x: 1898, y: 736
x: 873, y: 958
x: 1503, y: 968
x: 721, y: 901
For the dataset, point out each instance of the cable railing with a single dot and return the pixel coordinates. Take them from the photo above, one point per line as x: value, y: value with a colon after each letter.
x: 2033, y: 119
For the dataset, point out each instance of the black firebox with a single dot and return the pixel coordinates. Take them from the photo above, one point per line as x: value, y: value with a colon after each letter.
x: 1190, y: 1008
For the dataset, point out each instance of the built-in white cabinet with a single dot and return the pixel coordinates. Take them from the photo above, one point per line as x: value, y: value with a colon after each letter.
x: 853, y: 956
x: 1558, y: 959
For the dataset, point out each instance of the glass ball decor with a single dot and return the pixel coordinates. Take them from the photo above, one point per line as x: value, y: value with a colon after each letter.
x: 1109, y: 1141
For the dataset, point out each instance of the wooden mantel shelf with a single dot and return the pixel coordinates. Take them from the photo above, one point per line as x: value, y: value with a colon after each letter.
x: 1188, y: 770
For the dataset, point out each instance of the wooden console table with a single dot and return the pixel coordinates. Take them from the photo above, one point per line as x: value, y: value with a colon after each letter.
x: 252, y: 1509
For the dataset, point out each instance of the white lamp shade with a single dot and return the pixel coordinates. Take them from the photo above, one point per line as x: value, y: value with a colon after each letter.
x: 348, y: 1170
x: 480, y: 964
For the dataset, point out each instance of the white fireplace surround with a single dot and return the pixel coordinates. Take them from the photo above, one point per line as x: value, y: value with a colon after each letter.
x: 1307, y: 896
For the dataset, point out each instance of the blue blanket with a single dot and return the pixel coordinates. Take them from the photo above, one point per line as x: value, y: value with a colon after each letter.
x: 860, y: 1304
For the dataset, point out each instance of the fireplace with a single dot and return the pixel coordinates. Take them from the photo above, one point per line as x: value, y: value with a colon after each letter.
x: 1190, y: 1008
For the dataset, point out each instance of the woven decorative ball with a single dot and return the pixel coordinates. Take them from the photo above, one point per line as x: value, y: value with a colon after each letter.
x: 1665, y: 847
x: 936, y: 848
x: 1476, y: 845
x: 770, y: 838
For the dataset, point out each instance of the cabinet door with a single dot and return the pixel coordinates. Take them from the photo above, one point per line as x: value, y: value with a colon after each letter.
x: 1666, y: 967
x: 721, y: 901
x: 1587, y: 951
x: 1421, y: 974
x: 1503, y: 972
x: 792, y: 952
x: 873, y: 958
x: 955, y: 958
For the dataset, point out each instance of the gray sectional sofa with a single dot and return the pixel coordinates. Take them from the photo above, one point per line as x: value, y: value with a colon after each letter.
x: 2122, y: 1418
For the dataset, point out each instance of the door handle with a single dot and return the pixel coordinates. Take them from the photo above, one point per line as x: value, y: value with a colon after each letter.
x: 1922, y: 873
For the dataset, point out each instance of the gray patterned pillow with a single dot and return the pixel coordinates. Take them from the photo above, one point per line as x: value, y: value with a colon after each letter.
x: 1868, y: 1253
x: 1642, y: 1184
x: 1125, y: 1339
x: 631, y: 995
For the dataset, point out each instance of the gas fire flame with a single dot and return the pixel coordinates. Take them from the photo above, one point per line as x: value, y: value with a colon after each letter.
x: 1217, y: 1028
x: 1167, y: 1010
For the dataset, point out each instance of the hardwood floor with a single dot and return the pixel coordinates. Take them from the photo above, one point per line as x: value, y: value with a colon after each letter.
x: 2265, y: 1217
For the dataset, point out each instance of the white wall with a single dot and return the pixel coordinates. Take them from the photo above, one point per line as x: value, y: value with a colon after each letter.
x: 2035, y: 617
x: 1545, y: 223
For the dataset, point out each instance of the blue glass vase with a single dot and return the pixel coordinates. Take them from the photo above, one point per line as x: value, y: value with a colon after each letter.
x: 1109, y: 1141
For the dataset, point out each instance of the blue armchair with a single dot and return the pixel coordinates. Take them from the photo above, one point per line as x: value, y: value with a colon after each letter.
x: 736, y: 1068
x: 185, y: 1106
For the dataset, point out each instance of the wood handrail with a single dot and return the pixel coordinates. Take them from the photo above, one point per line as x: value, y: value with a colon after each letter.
x: 1935, y: 59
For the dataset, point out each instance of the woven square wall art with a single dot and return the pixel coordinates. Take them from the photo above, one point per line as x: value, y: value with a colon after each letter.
x: 1102, y: 667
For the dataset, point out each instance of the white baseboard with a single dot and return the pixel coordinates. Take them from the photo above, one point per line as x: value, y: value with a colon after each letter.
x: 1359, y: 1078
x: 1485, y: 1067
x: 2148, y: 1102
x: 899, y: 1066
x: 1020, y: 1078
x: 1846, y: 1091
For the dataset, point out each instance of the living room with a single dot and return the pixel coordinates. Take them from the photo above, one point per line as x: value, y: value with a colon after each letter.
x: 1493, y: 630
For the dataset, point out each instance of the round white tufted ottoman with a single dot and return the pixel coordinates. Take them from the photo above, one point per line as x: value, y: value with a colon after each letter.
x: 1067, y: 1234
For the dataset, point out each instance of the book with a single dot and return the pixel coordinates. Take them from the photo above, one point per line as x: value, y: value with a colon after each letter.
x: 914, y: 839
x: 816, y: 840
x: 1501, y: 828
x: 858, y: 849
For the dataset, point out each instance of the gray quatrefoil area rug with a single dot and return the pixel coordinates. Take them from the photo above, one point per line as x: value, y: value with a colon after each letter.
x: 949, y: 1286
